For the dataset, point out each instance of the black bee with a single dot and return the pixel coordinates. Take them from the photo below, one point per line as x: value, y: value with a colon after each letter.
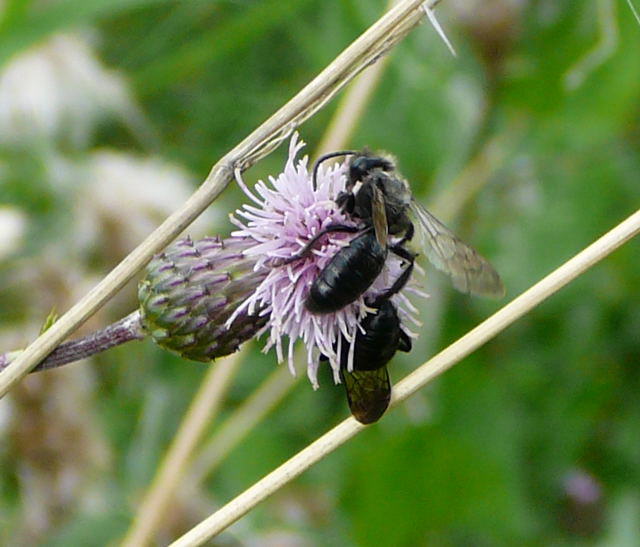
x: 381, y: 200
x: 351, y: 272
x: 367, y: 384
x: 377, y: 340
x: 379, y: 205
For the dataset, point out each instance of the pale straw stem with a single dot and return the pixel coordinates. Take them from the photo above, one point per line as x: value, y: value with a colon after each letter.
x: 280, y: 382
x: 444, y: 360
x: 365, y: 50
x: 518, y: 307
x: 350, y: 110
x: 337, y: 136
x: 266, y: 486
x: 199, y: 415
x: 352, y: 106
x: 252, y: 411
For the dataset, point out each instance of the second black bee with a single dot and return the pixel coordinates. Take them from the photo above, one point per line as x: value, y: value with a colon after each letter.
x: 367, y: 385
x: 378, y: 338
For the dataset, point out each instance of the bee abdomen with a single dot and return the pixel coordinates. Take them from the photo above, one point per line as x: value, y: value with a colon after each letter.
x: 350, y: 273
x: 380, y: 340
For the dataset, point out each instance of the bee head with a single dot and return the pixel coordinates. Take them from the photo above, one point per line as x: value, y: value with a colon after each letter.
x: 364, y: 162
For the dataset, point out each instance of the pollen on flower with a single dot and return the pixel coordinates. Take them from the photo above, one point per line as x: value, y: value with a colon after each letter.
x: 286, y: 213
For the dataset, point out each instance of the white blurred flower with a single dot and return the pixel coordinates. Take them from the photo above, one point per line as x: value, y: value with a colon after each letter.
x: 485, y: 13
x: 13, y: 224
x: 59, y: 88
x: 127, y: 196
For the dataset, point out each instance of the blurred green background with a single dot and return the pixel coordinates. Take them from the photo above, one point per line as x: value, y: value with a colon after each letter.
x: 111, y: 112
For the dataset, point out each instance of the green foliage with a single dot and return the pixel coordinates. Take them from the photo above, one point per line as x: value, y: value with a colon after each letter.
x: 483, y: 456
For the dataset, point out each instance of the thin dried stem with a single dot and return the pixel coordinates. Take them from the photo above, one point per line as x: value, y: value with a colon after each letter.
x: 266, y: 486
x: 278, y: 385
x: 350, y: 110
x: 199, y: 415
x: 352, y: 106
x: 444, y: 360
x: 518, y: 307
x: 337, y: 136
x: 242, y: 421
x: 368, y: 48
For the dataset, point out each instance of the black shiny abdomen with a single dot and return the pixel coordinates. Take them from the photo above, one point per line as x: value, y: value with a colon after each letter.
x: 367, y: 386
x: 349, y: 273
x: 381, y: 339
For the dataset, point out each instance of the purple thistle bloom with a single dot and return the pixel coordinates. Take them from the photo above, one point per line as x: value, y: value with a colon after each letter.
x: 286, y: 214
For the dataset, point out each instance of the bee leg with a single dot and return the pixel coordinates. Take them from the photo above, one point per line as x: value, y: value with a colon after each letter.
x: 309, y: 246
x: 408, y: 235
x: 404, y: 344
x: 346, y: 201
x: 404, y: 277
x: 402, y: 280
x: 403, y: 253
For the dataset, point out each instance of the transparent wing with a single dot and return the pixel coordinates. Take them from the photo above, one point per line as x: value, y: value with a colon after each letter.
x: 469, y: 271
x: 368, y: 393
x: 379, y: 216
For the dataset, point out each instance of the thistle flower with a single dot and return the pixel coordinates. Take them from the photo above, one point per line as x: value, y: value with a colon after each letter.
x: 202, y: 299
x: 286, y: 214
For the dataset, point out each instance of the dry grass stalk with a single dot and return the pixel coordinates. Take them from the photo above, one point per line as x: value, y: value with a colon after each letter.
x: 276, y: 387
x: 171, y: 470
x: 435, y: 366
x: 370, y: 46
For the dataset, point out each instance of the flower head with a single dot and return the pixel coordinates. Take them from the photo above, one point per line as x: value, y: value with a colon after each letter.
x: 284, y: 216
x: 189, y: 292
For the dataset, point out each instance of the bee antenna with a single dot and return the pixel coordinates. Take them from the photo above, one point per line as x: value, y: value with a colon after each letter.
x: 326, y: 157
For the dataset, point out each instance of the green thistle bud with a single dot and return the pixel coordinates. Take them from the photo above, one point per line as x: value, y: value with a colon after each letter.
x: 190, y: 291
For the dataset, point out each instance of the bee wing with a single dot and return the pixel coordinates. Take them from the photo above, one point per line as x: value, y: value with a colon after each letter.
x: 368, y: 393
x: 469, y: 271
x: 379, y: 216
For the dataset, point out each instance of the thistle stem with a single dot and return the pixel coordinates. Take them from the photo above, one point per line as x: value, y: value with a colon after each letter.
x: 126, y: 329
